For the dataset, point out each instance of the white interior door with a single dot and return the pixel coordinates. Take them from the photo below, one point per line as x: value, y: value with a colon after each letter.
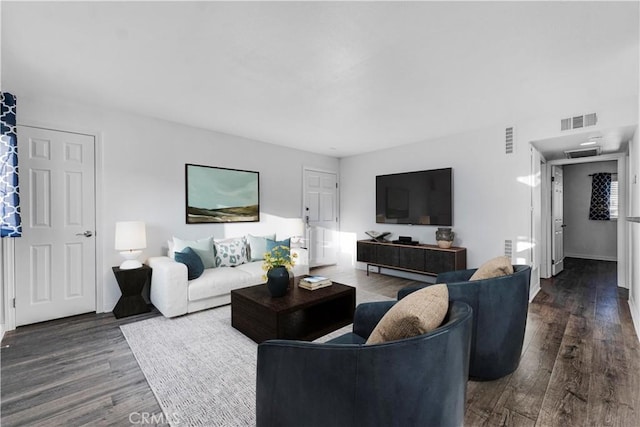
x: 56, y: 257
x: 557, y: 212
x: 321, y: 216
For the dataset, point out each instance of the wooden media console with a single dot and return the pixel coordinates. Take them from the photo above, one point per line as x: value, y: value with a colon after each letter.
x: 422, y: 259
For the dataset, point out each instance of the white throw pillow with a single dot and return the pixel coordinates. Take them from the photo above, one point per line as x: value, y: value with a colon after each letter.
x: 203, y: 247
x: 258, y: 246
x: 231, y: 252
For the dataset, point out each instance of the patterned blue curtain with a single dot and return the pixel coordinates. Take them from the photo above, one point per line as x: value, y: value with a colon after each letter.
x: 600, y: 197
x: 10, y: 224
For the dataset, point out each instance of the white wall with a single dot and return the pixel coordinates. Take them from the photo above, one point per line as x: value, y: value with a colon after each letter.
x: 584, y: 238
x: 493, y: 191
x: 634, y: 245
x: 142, y: 162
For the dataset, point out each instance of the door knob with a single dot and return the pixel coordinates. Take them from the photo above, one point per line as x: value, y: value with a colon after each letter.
x: 85, y: 234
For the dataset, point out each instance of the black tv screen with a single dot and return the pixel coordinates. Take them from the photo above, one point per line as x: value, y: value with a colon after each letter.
x: 420, y: 198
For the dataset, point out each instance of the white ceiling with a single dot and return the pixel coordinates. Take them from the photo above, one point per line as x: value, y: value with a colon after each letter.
x: 338, y: 78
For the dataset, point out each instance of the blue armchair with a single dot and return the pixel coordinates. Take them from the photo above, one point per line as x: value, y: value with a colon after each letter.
x: 418, y: 381
x: 500, y: 309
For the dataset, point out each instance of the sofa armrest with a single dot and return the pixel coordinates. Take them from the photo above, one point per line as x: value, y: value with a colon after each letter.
x: 169, y: 286
x: 367, y: 316
x: 301, y: 266
x: 446, y: 277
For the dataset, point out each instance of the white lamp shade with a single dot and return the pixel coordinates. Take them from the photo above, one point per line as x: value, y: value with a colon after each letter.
x: 130, y: 235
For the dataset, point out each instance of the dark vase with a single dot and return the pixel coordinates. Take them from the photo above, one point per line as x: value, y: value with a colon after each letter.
x: 278, y: 281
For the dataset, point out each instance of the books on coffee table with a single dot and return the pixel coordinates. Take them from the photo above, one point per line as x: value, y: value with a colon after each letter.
x: 313, y: 287
x: 314, y: 282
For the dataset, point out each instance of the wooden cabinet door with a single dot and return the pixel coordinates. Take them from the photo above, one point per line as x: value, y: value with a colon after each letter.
x: 389, y: 255
x: 367, y: 252
x: 439, y: 261
x: 412, y: 258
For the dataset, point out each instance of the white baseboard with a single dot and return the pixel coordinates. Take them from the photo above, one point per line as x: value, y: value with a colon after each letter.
x: 535, y: 288
x: 593, y: 257
x: 635, y: 316
x: 1, y: 331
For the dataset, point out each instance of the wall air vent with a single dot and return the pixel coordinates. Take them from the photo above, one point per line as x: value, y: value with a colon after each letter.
x: 582, y: 152
x: 508, y: 248
x: 508, y: 140
x: 578, y: 122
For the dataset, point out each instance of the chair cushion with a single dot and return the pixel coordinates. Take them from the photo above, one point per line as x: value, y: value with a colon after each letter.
x: 348, y: 338
x: 216, y: 282
x: 496, y: 267
x: 252, y: 268
x: 416, y: 314
x: 192, y: 260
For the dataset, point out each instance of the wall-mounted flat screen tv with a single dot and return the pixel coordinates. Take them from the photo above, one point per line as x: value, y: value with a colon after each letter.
x: 419, y: 198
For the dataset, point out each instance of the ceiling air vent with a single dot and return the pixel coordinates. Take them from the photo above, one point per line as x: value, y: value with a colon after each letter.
x: 508, y: 140
x: 582, y: 152
x: 578, y: 122
x: 590, y: 119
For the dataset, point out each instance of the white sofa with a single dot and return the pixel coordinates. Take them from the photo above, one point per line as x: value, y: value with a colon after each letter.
x: 173, y: 295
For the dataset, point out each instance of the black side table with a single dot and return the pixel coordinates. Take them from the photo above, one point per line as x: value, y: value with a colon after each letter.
x: 131, y: 283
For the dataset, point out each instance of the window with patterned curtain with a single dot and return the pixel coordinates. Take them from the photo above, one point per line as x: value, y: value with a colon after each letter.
x: 613, y: 199
x: 600, y: 208
x: 10, y: 224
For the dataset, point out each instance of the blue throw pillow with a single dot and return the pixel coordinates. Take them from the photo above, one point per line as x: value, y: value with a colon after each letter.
x: 273, y: 243
x: 192, y: 260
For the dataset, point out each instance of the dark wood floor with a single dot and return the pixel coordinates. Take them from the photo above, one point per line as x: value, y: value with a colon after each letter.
x: 580, y: 365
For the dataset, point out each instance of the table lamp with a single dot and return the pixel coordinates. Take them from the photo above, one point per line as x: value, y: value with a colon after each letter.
x: 131, y: 238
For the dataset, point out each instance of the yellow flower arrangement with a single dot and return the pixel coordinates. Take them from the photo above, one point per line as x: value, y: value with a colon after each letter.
x: 279, y: 256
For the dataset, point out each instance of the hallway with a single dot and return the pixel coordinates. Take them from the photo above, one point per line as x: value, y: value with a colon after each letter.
x: 581, y: 359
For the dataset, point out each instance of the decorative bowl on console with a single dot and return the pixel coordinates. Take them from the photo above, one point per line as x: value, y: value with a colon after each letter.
x: 444, y: 237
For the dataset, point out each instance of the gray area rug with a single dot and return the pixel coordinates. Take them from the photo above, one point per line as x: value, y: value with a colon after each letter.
x: 202, y: 370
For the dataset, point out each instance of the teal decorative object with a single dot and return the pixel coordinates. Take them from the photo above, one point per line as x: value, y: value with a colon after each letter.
x: 278, y: 281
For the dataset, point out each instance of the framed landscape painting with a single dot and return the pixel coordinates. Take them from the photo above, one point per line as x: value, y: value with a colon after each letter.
x: 220, y: 195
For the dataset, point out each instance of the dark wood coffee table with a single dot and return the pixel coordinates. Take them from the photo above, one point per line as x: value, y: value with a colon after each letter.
x: 299, y: 315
